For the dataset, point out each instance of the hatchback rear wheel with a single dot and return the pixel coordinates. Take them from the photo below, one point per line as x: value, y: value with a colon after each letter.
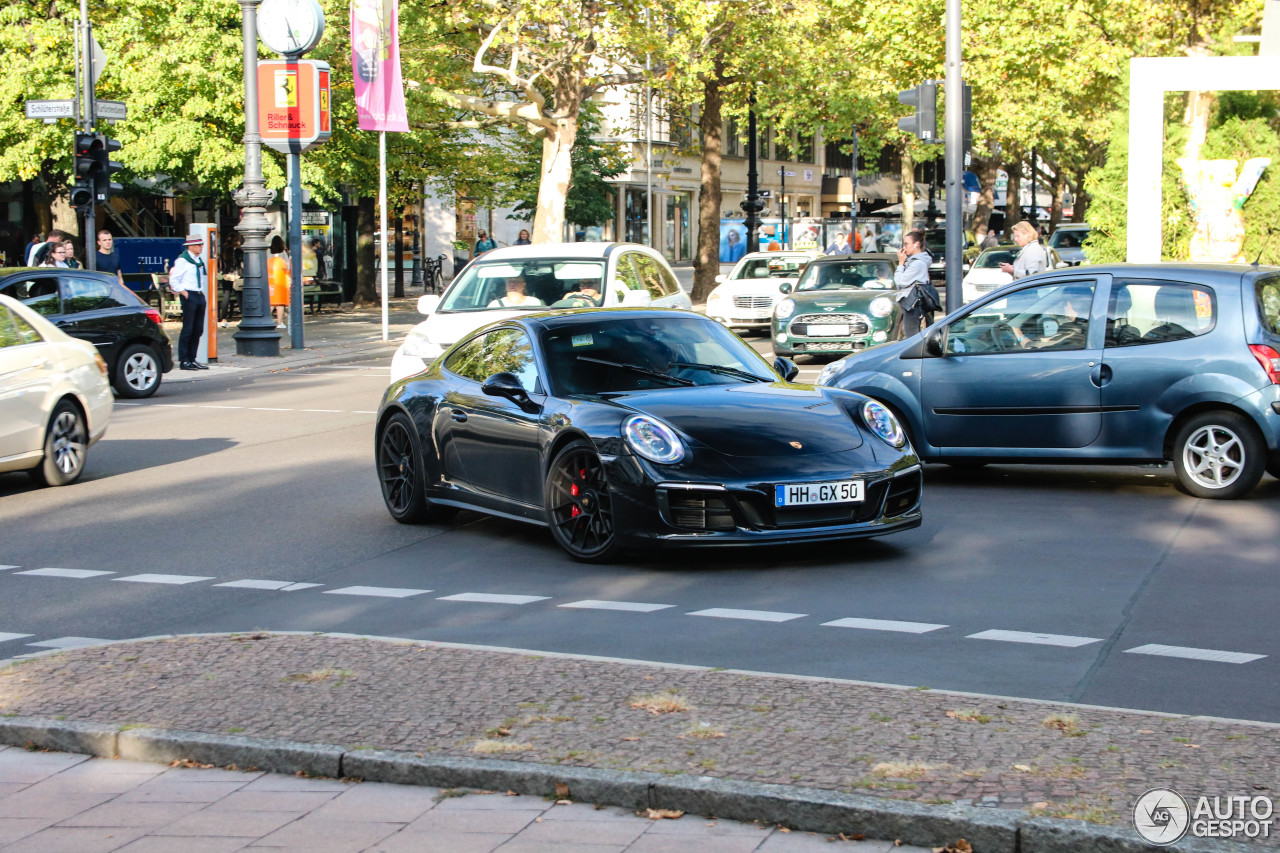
x: 1219, y: 455
x: 579, y: 504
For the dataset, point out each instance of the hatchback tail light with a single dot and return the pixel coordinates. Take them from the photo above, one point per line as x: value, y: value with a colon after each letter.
x: 154, y: 316
x: 1269, y: 359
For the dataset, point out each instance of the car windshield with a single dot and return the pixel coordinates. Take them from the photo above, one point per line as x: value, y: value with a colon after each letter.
x: 935, y: 242
x: 1072, y: 238
x: 993, y: 258
x: 870, y: 274
x: 522, y: 283
x: 779, y: 267
x: 603, y: 355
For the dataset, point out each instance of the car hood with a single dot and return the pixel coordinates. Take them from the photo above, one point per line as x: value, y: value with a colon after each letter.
x: 447, y: 328
x: 987, y: 275
x: 754, y: 286
x: 837, y: 300
x: 757, y: 419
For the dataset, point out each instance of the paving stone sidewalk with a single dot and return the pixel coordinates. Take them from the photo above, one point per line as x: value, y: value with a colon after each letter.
x: 438, y: 699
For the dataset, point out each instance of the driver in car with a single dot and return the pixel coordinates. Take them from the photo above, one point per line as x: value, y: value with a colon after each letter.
x: 516, y: 296
x: 1067, y: 328
x: 582, y: 294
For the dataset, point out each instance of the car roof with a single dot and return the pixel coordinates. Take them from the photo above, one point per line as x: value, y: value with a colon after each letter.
x: 557, y: 250
x: 783, y: 253
x: 856, y: 256
x: 5, y: 272
x: 555, y: 319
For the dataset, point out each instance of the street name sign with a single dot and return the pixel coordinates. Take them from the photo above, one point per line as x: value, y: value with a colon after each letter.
x: 51, y: 110
x: 111, y: 110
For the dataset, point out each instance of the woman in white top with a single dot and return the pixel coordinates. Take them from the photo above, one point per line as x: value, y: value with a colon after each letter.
x: 516, y: 296
x: 1032, y: 259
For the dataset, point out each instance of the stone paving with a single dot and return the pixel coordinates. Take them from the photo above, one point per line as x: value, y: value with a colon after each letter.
x: 920, y: 745
x: 54, y: 802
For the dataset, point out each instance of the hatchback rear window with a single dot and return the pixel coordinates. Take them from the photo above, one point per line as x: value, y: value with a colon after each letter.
x: 1268, y: 292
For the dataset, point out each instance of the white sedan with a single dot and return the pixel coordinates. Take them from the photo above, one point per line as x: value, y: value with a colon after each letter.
x: 55, y: 397
x: 744, y: 299
x: 985, y: 274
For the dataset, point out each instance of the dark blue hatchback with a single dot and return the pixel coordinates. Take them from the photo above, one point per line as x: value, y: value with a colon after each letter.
x: 1117, y: 363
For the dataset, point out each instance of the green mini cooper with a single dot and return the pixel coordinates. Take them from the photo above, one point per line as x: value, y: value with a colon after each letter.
x: 839, y: 306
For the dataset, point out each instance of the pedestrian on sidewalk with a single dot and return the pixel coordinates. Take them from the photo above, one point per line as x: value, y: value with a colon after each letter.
x: 69, y: 250
x: 1032, y: 258
x: 523, y: 239
x: 107, y: 257
x: 911, y: 277
x: 484, y: 244
x: 190, y: 280
x: 278, y: 280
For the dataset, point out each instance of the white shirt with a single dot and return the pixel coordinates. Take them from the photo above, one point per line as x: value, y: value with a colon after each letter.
x: 186, y: 275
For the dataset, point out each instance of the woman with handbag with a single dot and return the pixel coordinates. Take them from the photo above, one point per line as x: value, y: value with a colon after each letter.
x: 912, y: 277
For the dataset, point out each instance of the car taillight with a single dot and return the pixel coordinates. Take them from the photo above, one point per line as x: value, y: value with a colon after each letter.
x: 154, y: 316
x: 1269, y: 359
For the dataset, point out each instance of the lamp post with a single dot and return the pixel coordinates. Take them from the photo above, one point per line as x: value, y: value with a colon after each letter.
x: 753, y: 205
x: 257, y: 333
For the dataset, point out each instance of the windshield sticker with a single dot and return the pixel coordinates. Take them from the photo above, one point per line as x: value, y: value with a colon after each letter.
x: 582, y: 340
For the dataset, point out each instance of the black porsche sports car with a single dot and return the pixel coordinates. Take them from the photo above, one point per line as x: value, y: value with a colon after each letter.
x: 624, y: 427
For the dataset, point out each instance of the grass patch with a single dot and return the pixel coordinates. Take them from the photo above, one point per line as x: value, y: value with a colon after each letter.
x: 703, y: 731
x: 968, y: 715
x: 669, y: 702
x: 1065, y: 723
x: 901, y: 769
x: 318, y: 676
x: 496, y: 747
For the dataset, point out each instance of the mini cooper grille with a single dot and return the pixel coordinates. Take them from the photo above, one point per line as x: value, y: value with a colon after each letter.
x: 830, y: 346
x: 700, y: 510
x: 753, y: 302
x: 858, y: 324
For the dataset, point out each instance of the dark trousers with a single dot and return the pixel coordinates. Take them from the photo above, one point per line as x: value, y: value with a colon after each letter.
x: 193, y: 308
x: 911, y: 321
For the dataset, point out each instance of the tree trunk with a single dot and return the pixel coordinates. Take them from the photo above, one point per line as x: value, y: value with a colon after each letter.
x: 1055, y: 207
x: 1012, y: 195
x: 553, y: 188
x: 985, y: 170
x: 1081, y: 206
x: 66, y: 220
x: 366, y: 289
x: 908, y: 176
x: 711, y: 125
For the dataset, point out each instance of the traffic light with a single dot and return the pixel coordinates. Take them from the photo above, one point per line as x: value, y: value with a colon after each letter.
x: 103, y: 186
x: 968, y: 118
x: 85, y: 164
x: 924, y: 124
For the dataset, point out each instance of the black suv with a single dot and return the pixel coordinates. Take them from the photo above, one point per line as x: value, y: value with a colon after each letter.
x: 95, y: 307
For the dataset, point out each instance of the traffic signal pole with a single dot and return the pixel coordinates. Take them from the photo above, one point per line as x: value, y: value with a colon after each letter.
x: 954, y: 157
x: 87, y: 118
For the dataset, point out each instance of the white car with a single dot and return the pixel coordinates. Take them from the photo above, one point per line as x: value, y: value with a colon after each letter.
x: 744, y: 299
x: 504, y: 282
x: 55, y: 397
x: 985, y: 274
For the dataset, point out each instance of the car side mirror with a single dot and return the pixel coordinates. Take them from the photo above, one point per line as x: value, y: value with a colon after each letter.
x: 933, y: 344
x: 507, y: 385
x: 427, y: 303
x: 637, y: 299
x: 721, y: 278
x: 786, y: 368
x: 785, y: 287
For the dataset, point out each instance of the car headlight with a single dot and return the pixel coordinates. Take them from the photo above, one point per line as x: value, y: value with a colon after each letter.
x: 828, y: 373
x: 785, y: 309
x: 883, y: 423
x: 653, y: 439
x: 881, y: 306
x: 419, y: 345
x: 715, y: 298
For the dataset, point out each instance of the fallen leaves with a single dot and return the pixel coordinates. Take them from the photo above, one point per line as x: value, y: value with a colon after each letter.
x: 663, y: 814
x: 1022, y: 768
x: 669, y: 702
x: 562, y: 790
x: 969, y: 715
x: 961, y: 846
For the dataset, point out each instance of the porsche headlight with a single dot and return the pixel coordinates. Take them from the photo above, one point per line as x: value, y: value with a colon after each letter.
x: 785, y: 309
x: 653, y: 439
x: 419, y: 345
x: 881, y: 306
x: 883, y: 423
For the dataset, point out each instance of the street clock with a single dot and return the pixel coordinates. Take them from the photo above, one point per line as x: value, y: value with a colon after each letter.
x: 290, y: 27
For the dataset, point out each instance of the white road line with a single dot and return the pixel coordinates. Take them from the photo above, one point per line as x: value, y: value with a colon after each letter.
x: 286, y: 586
x: 494, y: 598
x: 297, y: 586
x: 4, y: 638
x: 267, y: 409
x: 333, y: 411
x: 376, y: 591
x: 632, y: 606
x: 174, y: 405
x: 363, y: 412
x: 755, y: 615
x: 211, y: 406
x: 1193, y: 654
x: 64, y: 573
x: 118, y: 403
x: 176, y: 580
x: 1034, y: 638
x: 71, y: 643
x: 884, y: 625
x: 6, y: 568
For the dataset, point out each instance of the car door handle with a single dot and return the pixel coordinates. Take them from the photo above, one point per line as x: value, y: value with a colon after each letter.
x: 1100, y: 375
x: 460, y: 417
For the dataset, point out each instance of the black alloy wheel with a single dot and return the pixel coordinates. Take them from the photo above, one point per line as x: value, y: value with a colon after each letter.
x: 137, y: 372
x: 400, y: 473
x: 66, y: 444
x: 579, y: 506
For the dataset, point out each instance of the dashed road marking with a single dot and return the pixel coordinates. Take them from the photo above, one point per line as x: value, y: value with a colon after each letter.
x: 284, y: 586
x: 71, y: 643
x: 363, y: 412
x: 211, y: 406
x: 329, y: 411
x: 4, y: 637
x: 376, y: 591
x: 64, y: 573
x: 1064, y: 640
x: 267, y: 409
x: 884, y: 625
x: 1193, y: 654
x: 492, y: 598
x: 176, y: 580
x: 6, y: 568
x: 754, y: 615
x: 632, y: 606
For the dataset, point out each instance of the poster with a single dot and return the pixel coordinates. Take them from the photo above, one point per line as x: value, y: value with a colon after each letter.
x: 733, y: 240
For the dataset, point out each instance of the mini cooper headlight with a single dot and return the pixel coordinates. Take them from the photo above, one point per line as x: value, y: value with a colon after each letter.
x: 881, y: 306
x: 785, y: 309
x: 653, y: 439
x: 882, y: 422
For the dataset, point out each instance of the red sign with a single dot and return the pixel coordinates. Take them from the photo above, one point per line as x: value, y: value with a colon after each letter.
x: 293, y: 104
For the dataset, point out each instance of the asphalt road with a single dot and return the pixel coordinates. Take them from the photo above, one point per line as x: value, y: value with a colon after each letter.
x: 203, y: 505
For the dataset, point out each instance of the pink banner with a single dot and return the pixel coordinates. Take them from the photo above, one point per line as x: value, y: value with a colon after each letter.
x: 375, y: 65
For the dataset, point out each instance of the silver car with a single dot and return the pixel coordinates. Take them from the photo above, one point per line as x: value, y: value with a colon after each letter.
x: 1069, y: 239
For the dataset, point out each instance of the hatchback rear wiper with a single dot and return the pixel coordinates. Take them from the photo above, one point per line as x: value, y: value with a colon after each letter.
x: 637, y: 369
x: 717, y: 368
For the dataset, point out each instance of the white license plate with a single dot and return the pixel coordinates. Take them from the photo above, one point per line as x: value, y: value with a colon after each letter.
x: 803, y: 494
x: 828, y: 330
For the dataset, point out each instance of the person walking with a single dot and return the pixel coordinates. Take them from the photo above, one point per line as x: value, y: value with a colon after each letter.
x: 107, y: 258
x: 911, y: 277
x: 69, y: 250
x: 52, y: 254
x: 869, y: 240
x: 1032, y: 258
x: 484, y: 244
x: 523, y: 239
x: 190, y: 280
x: 278, y: 280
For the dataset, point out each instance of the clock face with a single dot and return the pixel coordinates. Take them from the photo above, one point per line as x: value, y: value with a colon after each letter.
x: 290, y: 26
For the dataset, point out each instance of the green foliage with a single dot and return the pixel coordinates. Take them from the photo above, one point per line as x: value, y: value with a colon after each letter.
x: 1107, y: 187
x: 590, y: 200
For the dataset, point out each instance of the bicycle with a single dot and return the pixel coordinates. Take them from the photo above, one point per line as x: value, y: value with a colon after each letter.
x: 433, y: 272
